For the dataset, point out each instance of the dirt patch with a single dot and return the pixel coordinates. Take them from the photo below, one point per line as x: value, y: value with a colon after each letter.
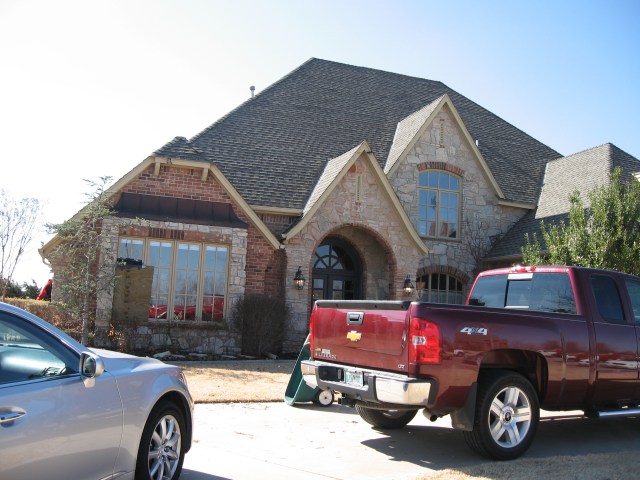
x: 238, y: 381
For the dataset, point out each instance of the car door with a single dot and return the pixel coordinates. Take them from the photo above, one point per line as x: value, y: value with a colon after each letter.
x: 51, y: 424
x: 633, y: 292
x: 616, y: 343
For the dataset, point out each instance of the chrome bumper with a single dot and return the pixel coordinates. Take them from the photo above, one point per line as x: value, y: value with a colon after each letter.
x: 378, y: 387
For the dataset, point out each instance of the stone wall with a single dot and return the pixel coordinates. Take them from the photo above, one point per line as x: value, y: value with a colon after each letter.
x: 366, y: 217
x: 443, y: 146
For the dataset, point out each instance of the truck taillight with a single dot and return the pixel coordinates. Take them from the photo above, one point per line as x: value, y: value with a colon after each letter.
x: 424, y: 341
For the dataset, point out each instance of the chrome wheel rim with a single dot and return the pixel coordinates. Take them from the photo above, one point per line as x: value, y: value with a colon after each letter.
x: 164, y: 449
x: 510, y: 417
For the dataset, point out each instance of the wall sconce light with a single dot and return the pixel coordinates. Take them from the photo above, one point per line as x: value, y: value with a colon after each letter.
x: 408, y: 286
x: 299, y: 279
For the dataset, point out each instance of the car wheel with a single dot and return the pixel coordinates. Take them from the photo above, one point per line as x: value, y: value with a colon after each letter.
x: 507, y: 414
x: 160, y: 455
x: 323, y: 398
x: 389, y: 419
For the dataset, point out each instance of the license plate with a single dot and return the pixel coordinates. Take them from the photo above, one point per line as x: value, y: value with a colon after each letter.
x: 353, y: 378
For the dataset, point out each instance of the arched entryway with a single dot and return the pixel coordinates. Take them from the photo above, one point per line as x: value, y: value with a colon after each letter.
x: 337, y: 271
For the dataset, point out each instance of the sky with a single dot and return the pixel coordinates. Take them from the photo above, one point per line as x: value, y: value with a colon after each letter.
x: 89, y: 89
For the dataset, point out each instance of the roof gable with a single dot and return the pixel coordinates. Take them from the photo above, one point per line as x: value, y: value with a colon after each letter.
x: 207, y: 169
x: 333, y: 173
x: 411, y: 128
x: 581, y: 172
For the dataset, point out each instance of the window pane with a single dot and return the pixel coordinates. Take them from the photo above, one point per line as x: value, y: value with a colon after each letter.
x: 159, y: 257
x: 634, y: 292
x: 518, y: 293
x: 423, y: 179
x: 182, y: 256
x: 607, y: 298
x: 433, y: 179
x: 489, y: 291
x: 318, y: 288
x: 443, y: 180
x: 439, y: 204
x: 215, y: 282
x: 440, y: 288
x: 130, y: 248
x: 552, y: 292
x: 422, y: 228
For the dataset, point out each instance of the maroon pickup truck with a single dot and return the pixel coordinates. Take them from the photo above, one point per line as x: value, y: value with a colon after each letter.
x: 557, y: 338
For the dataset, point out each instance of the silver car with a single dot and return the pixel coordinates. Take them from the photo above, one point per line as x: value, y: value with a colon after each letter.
x: 68, y: 412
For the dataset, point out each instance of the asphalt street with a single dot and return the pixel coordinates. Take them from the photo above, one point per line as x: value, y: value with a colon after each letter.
x: 279, y: 441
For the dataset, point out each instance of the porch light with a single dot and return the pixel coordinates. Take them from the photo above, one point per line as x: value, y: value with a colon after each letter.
x: 408, y: 287
x: 299, y: 279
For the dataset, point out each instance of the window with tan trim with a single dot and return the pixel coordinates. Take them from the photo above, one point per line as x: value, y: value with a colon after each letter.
x: 189, y: 279
x: 439, y: 204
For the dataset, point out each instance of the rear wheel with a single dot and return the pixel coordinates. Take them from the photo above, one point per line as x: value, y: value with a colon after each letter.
x: 160, y: 454
x: 389, y: 419
x: 507, y: 414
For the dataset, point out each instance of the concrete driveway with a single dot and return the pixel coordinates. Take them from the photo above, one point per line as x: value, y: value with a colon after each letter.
x: 275, y: 440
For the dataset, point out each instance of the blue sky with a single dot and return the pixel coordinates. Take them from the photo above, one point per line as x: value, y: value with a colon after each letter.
x: 91, y: 88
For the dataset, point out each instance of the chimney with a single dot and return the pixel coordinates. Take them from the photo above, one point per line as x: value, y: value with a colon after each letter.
x: 253, y: 90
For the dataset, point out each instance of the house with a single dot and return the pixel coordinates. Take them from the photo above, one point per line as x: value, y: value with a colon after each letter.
x: 334, y: 182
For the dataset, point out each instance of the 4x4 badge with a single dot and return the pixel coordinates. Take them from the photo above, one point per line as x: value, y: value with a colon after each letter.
x: 354, y: 336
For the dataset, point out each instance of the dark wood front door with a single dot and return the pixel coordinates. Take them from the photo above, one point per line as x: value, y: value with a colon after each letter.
x: 337, y: 271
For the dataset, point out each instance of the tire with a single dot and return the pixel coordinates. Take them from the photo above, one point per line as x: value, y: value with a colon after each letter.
x: 507, y: 414
x: 161, y: 451
x: 324, y: 398
x: 387, y: 419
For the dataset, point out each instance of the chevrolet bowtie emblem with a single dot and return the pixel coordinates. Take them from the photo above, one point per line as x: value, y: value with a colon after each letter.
x: 354, y: 336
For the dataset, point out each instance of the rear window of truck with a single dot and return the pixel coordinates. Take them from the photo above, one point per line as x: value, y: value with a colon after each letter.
x: 543, y: 292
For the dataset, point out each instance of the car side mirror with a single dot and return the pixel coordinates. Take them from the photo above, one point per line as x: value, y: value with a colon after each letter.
x: 91, y: 367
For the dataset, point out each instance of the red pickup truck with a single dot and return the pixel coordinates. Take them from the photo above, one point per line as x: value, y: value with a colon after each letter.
x: 557, y: 338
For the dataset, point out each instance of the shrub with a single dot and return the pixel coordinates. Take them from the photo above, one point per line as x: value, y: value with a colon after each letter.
x: 260, y: 320
x: 52, y: 312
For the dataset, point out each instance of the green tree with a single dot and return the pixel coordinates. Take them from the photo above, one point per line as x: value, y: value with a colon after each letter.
x: 76, y: 256
x: 18, y: 220
x: 605, y: 235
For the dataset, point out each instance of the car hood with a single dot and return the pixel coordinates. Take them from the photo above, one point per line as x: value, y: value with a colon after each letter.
x: 117, y: 361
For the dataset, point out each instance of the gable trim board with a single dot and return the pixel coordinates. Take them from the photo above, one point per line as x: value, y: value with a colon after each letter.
x: 207, y: 168
x: 430, y: 112
x: 333, y: 172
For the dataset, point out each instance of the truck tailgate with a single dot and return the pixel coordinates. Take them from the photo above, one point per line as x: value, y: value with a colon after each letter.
x: 364, y: 333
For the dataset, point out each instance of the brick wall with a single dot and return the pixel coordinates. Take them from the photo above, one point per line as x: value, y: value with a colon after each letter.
x: 264, y: 264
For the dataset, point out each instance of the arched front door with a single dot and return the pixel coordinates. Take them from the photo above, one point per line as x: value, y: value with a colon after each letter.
x: 337, y: 271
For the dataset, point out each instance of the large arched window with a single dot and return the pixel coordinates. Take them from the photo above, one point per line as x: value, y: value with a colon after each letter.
x: 439, y: 202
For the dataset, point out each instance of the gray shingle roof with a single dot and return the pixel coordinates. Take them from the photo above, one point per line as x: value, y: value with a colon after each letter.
x: 583, y: 172
x: 273, y: 148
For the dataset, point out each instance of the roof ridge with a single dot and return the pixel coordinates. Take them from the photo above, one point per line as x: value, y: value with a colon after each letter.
x: 251, y: 99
